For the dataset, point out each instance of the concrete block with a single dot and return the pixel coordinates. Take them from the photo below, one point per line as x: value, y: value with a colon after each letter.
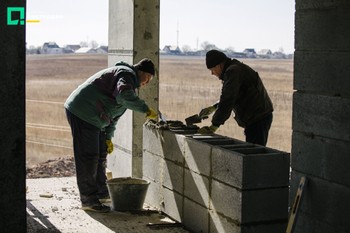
x: 322, y: 157
x: 227, y: 167
x: 173, y: 204
x: 216, y: 140
x: 197, y: 188
x: 173, y: 146
x: 329, y: 119
x: 219, y: 141
x: 152, y: 140
x: 219, y: 224
x: 265, y: 205
x: 325, y: 201
x: 152, y: 167
x: 154, y: 196
x: 250, y: 206
x: 306, y: 223
x: 226, y: 200
x: 266, y: 170
x: 244, y: 169
x: 330, y: 68
x: 319, y: 4
x: 197, y: 156
x: 173, y: 176
x: 326, y: 29
x: 196, y: 217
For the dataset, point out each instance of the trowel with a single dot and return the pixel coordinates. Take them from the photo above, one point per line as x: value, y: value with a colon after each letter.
x: 194, y: 119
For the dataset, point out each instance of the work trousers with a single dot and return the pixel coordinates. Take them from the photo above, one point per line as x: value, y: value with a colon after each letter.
x: 90, y: 152
x: 258, y: 132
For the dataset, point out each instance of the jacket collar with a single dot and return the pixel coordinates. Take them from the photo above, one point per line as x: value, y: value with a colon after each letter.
x: 228, y: 62
x: 137, y: 79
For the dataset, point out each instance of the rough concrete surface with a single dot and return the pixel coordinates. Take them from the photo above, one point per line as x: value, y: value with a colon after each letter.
x: 53, y: 205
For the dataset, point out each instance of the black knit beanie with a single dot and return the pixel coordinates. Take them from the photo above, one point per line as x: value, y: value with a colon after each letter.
x: 214, y: 57
x: 145, y: 65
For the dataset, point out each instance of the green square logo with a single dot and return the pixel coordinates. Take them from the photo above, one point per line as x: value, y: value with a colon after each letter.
x: 19, y: 21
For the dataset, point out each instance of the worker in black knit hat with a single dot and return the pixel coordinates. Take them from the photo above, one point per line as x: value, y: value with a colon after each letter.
x: 93, y: 110
x: 244, y: 94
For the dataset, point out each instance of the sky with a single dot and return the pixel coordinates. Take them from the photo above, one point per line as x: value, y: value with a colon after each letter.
x: 235, y: 24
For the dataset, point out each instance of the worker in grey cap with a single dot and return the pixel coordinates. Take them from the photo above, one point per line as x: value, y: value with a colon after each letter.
x: 93, y: 110
x: 244, y: 94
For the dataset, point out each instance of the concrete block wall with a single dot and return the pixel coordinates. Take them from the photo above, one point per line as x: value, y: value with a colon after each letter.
x: 216, y: 183
x: 321, y: 122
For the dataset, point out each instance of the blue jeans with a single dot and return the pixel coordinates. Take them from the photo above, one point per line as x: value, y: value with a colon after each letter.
x: 90, y: 152
x: 258, y: 132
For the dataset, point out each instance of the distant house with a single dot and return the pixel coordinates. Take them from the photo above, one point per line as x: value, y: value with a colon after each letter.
x: 278, y: 55
x: 172, y: 50
x: 231, y: 53
x: 72, y: 47
x: 85, y: 50
x: 265, y: 53
x: 250, y: 53
x: 238, y: 55
x: 102, y: 49
x: 51, y: 48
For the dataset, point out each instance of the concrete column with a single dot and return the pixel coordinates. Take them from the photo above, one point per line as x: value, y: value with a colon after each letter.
x: 12, y: 120
x: 133, y: 35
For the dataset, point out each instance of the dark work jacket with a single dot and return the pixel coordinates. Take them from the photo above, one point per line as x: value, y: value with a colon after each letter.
x: 243, y: 93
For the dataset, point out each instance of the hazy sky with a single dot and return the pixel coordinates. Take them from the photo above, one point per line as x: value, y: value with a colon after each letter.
x: 238, y: 24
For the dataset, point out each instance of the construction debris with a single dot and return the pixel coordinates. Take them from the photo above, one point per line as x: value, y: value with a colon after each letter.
x: 46, y: 195
x: 61, y: 167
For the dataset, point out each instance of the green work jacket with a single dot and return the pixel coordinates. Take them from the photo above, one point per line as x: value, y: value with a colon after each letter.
x: 103, y: 98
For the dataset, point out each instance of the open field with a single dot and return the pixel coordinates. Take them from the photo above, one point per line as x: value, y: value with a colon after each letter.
x: 186, y: 86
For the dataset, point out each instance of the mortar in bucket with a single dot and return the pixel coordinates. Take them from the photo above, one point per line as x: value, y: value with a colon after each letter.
x: 127, y: 193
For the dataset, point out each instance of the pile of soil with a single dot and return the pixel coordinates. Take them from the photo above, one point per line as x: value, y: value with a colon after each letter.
x: 61, y: 167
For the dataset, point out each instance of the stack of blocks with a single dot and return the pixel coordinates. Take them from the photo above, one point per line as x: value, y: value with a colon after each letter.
x: 215, y: 183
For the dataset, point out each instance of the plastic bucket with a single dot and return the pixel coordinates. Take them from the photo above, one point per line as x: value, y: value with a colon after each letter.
x: 127, y: 193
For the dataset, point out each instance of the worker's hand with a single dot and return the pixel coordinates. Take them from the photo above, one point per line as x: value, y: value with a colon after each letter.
x: 208, y: 129
x: 207, y: 111
x: 109, y: 146
x: 151, y: 114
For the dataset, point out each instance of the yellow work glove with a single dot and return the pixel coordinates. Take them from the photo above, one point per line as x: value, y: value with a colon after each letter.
x: 109, y: 146
x: 207, y: 111
x: 208, y: 129
x: 151, y: 114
